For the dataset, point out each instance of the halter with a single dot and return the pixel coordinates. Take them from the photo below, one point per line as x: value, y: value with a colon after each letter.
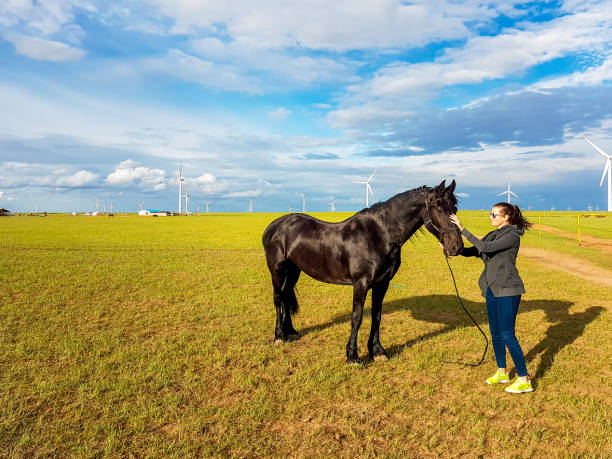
x: 430, y: 221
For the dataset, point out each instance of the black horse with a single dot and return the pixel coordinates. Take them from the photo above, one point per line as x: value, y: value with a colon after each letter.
x: 364, y: 250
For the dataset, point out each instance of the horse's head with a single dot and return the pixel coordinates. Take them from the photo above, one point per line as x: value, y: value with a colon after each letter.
x: 440, y: 204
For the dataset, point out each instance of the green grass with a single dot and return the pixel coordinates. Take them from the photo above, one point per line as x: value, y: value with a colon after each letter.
x: 153, y: 337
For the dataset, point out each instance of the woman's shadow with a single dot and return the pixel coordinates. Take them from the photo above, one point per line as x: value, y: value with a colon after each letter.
x: 444, y: 309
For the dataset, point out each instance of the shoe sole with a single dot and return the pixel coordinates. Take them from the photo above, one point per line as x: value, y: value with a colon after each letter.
x: 519, y: 391
x: 498, y: 382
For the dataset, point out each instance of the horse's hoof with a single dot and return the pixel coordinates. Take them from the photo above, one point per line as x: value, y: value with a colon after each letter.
x: 354, y: 361
x: 278, y: 342
x: 380, y: 358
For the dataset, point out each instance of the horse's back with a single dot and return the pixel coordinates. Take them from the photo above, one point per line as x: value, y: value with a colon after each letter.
x: 290, y: 226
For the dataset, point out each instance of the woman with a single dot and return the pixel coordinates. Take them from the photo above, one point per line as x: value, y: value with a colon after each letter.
x: 502, y: 287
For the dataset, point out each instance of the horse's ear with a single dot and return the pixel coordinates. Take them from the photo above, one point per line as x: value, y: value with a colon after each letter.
x: 451, y: 187
x: 440, y: 187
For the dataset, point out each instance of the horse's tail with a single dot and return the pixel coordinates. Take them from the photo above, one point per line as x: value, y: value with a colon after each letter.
x: 285, y: 273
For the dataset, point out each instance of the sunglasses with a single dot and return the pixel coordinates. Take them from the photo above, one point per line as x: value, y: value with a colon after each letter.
x: 493, y: 214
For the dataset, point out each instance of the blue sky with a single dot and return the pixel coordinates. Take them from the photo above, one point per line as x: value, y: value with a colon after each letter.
x: 264, y: 100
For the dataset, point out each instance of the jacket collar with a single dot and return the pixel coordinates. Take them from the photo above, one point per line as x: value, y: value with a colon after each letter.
x: 511, y: 227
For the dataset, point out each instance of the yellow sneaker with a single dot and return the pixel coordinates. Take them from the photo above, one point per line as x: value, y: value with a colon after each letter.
x: 498, y: 377
x: 518, y: 387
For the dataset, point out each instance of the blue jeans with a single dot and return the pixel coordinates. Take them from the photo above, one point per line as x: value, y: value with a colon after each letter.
x: 502, y: 313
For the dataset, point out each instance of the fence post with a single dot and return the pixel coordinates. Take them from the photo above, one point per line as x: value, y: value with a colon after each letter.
x: 578, y: 230
x: 539, y: 226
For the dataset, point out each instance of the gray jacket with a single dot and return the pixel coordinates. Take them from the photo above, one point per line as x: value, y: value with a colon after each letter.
x: 498, y: 250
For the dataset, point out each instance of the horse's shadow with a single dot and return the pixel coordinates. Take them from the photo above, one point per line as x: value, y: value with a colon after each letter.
x: 443, y: 309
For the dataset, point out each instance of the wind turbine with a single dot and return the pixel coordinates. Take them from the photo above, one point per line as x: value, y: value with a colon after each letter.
x: 608, y: 169
x: 590, y: 207
x: 303, y: 195
x: 140, y: 205
x: 333, y: 207
x: 181, y: 180
x: 186, y: 195
x: 207, y: 203
x: 508, y: 192
x: 368, y: 188
x: 251, y: 205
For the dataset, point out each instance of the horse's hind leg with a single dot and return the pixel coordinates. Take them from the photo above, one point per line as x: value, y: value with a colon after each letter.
x: 360, y: 291
x: 289, y: 300
x: 284, y: 277
x: 375, y: 349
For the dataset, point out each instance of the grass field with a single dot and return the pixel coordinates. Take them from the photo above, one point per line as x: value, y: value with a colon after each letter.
x: 154, y: 337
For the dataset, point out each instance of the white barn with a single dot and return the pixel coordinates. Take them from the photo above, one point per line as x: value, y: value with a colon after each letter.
x: 153, y: 213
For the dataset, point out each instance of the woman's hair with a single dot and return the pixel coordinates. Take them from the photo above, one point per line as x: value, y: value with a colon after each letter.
x: 516, y: 217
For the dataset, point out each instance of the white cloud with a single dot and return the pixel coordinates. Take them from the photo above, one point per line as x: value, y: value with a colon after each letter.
x: 73, y: 34
x: 41, y: 49
x: 273, y: 68
x: 80, y: 178
x: 279, y: 114
x: 128, y: 172
x: 314, y: 24
x: 47, y: 17
x: 482, y: 58
x: 594, y: 75
x: 462, y: 195
x: 205, y: 179
x: 243, y: 194
x: 1, y: 194
x: 367, y: 114
x: 187, y: 67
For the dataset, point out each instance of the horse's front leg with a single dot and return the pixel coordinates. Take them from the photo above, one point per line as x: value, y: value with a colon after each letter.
x: 360, y: 290
x: 376, y: 351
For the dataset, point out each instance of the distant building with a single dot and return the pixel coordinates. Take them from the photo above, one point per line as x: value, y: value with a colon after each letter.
x: 5, y: 213
x: 153, y: 213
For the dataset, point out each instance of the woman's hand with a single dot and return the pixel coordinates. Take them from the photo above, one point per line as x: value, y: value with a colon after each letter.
x: 456, y: 221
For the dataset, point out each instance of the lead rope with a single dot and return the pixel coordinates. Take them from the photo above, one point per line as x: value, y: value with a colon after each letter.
x: 429, y: 221
x: 470, y: 316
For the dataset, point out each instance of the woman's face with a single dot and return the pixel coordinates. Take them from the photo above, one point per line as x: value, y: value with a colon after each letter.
x: 498, y: 219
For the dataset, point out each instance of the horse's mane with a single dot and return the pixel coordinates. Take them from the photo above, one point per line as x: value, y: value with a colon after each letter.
x: 402, y: 198
x: 397, y: 199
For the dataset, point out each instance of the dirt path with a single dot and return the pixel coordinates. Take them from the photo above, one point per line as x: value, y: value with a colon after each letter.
x: 605, y: 245
x: 569, y: 264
